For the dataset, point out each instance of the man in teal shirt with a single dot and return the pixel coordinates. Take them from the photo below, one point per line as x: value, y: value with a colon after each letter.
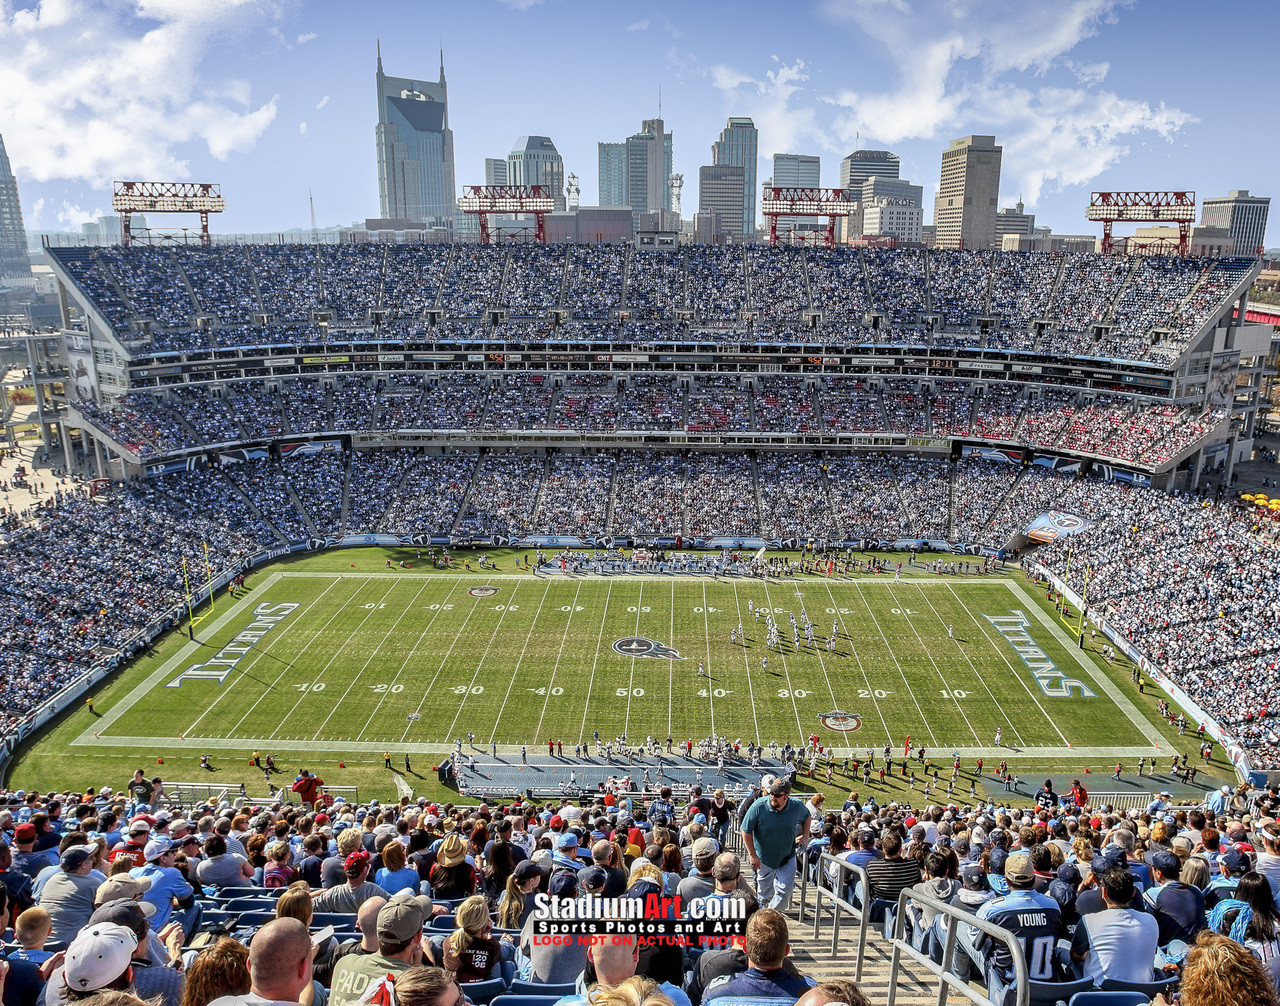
x: 769, y: 832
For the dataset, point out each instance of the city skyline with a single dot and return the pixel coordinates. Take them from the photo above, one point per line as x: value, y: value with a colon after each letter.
x: 272, y: 99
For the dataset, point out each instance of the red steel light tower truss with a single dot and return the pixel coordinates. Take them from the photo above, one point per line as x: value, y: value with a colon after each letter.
x: 508, y: 199
x: 167, y: 197
x: 1143, y: 207
x: 793, y: 202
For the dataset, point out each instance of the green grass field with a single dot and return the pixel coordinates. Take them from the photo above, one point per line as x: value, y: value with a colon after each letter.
x: 353, y: 659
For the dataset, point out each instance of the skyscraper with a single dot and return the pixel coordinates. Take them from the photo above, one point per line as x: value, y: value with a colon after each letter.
x: 721, y: 192
x: 613, y: 174
x: 964, y: 212
x: 534, y: 160
x: 802, y: 171
x: 648, y: 167
x: 1243, y: 216
x: 14, y: 262
x: 415, y: 150
x: 863, y: 164
x: 495, y: 171
x: 738, y: 145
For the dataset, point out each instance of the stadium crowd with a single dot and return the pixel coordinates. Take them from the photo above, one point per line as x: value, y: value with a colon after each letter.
x: 304, y: 898
x: 1146, y: 308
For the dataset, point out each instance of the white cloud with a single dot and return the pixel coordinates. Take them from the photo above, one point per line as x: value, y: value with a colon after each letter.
x: 1089, y: 74
x: 779, y: 105
x: 134, y: 94
x: 33, y: 213
x: 962, y: 68
x: 72, y: 216
x: 640, y: 25
x: 306, y: 37
x: 520, y: 4
x: 302, y: 128
x: 322, y: 102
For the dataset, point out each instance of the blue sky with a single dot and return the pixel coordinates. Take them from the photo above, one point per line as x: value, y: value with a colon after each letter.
x: 275, y: 97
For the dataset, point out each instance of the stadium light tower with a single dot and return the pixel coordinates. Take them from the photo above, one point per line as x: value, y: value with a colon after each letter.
x: 484, y: 200
x: 1143, y: 207
x: 801, y: 202
x: 166, y: 197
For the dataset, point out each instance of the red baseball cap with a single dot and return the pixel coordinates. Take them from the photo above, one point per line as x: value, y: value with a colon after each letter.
x: 556, y: 821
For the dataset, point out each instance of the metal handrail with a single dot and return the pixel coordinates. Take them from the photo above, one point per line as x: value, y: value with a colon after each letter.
x: 839, y: 905
x: 955, y: 917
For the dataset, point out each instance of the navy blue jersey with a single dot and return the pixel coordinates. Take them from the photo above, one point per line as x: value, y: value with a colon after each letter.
x: 1031, y: 917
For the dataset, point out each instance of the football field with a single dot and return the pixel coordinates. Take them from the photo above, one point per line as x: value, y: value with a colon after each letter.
x: 407, y: 661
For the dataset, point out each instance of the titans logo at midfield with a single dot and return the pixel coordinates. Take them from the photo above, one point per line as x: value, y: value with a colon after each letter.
x: 642, y: 646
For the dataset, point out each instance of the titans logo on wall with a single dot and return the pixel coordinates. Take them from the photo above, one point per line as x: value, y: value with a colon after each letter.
x: 642, y: 646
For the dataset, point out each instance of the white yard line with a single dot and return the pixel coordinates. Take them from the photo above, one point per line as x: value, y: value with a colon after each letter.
x: 903, y: 674
x: 480, y: 663
x: 937, y: 670
x: 671, y: 665
x: 337, y: 651
x: 556, y: 667
x: 443, y: 660
x: 631, y: 684
x: 493, y: 732
x: 746, y: 662
x: 1018, y: 676
x: 586, y: 706
x: 786, y: 670
x: 706, y: 623
x: 413, y: 652
x: 854, y: 650
x: 295, y: 619
x: 374, y: 653
x: 1131, y: 711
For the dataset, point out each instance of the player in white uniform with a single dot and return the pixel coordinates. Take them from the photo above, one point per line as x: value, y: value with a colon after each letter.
x: 701, y: 671
x: 999, y: 734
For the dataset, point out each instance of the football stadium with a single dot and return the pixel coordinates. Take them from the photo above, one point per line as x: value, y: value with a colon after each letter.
x: 383, y: 603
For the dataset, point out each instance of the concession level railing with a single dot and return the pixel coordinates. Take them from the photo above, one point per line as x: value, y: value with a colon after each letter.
x: 955, y: 917
x: 840, y: 906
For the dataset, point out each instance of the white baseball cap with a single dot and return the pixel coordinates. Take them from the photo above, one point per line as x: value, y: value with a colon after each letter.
x: 98, y: 956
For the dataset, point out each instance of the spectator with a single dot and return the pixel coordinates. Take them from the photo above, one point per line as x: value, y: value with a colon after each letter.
x: 452, y: 877
x: 68, y: 896
x: 1030, y: 916
x: 1119, y: 942
x: 220, y: 868
x: 1220, y: 972
x: 167, y: 885
x: 556, y: 964
x: 701, y: 882
x: 295, y: 903
x: 518, y: 898
x: 356, y: 891
x: 615, y: 961
x: 217, y: 971
x: 770, y: 830
x: 470, y: 951
x: 840, y: 991
x: 893, y: 873
x: 1178, y: 907
x: 767, y: 949
x: 395, y: 874
x: 279, y: 966
x: 399, y: 931
x: 98, y: 958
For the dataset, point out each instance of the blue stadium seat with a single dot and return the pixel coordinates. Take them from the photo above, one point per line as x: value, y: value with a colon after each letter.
x: 445, y: 922
x: 484, y: 992
x: 523, y: 988
x: 513, y: 1000
x: 1149, y: 989
x: 1096, y: 998
x: 248, y: 905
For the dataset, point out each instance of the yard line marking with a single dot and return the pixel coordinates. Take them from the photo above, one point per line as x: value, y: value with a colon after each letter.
x: 480, y: 663
x: 707, y: 626
x: 786, y: 670
x: 671, y: 665
x: 999, y: 648
x: 443, y: 660
x: 555, y: 667
x: 755, y: 718
x: 981, y: 677
x: 582, y: 733
x: 493, y: 733
x: 413, y: 652
x: 258, y: 654
x: 937, y: 670
x: 373, y: 653
x: 626, y: 720
x: 1088, y: 666
x: 329, y: 663
x: 896, y: 662
x: 854, y: 650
